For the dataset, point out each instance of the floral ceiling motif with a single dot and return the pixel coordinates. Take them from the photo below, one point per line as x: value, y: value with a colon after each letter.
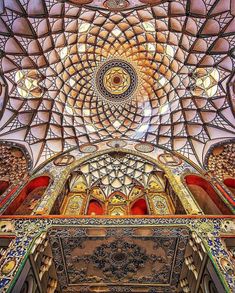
x: 69, y: 235
x: 116, y: 80
x: 119, y: 258
x: 111, y: 258
x: 182, y: 53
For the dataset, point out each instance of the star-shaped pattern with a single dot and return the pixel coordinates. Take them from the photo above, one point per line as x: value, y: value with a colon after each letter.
x: 183, y: 52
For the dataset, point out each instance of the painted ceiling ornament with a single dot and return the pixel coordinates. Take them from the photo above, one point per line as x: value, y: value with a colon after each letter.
x: 169, y: 159
x: 64, y: 160
x: 116, y: 80
x: 116, y: 5
x: 151, y: 2
x: 88, y: 148
x: 228, y: 226
x: 116, y: 143
x: 119, y: 258
x: 8, y: 266
x: 79, y: 2
x: 28, y: 83
x: 227, y: 266
x: 6, y: 227
x: 184, y: 63
x: 144, y: 147
x: 204, y: 82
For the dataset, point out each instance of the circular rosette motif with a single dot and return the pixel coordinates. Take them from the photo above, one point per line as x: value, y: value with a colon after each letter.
x: 173, y: 67
x: 116, y: 80
x: 119, y: 259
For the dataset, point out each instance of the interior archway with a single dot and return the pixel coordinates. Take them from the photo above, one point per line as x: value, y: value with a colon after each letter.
x: 205, y: 195
x: 28, y: 197
x: 117, y: 188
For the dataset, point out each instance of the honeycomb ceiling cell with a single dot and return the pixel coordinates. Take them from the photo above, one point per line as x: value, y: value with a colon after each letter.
x: 175, y: 62
x: 221, y: 161
x: 14, y: 163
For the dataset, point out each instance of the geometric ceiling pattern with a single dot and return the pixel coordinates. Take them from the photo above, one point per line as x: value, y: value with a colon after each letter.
x: 105, y: 259
x: 221, y: 162
x: 117, y: 172
x: 181, y: 52
x: 14, y: 164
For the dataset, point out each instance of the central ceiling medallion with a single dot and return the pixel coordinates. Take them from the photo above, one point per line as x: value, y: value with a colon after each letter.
x: 116, y: 80
x: 116, y: 5
x: 119, y: 259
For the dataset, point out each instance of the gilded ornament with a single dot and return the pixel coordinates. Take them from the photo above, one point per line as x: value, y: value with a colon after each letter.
x: 8, y: 267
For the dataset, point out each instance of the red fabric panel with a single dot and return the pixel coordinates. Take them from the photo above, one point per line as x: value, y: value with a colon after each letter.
x: 42, y: 181
x: 95, y: 208
x: 139, y: 207
x: 230, y: 182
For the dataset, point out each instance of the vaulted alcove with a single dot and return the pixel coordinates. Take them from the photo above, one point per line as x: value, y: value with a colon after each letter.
x: 206, y: 196
x: 26, y: 200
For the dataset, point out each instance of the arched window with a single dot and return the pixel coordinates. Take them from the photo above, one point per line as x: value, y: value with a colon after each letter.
x: 29, y: 196
x: 205, y: 195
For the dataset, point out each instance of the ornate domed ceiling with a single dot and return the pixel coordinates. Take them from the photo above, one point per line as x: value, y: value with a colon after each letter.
x: 76, y: 72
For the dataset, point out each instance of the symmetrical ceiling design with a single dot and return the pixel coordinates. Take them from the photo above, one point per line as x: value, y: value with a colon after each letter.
x: 116, y: 81
x: 116, y: 172
x: 182, y: 56
x: 105, y: 259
